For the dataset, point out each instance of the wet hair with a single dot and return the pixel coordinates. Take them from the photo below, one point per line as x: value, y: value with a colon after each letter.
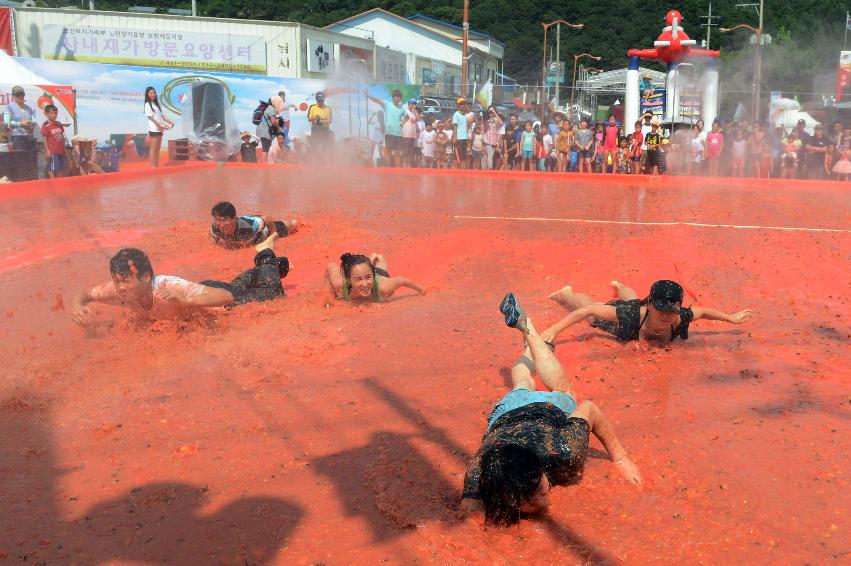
x: 349, y: 260
x: 50, y: 108
x: 511, y: 474
x: 224, y: 209
x: 155, y: 101
x: 130, y: 262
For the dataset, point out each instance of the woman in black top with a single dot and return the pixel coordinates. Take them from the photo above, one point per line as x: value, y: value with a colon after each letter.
x: 660, y: 317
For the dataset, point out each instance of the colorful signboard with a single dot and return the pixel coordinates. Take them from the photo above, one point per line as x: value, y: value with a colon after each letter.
x: 653, y: 101
x: 844, y: 77
x: 151, y: 48
x: 39, y: 96
x: 110, y: 97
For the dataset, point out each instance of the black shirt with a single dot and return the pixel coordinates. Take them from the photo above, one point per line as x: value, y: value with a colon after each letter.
x: 653, y: 141
x: 629, y: 321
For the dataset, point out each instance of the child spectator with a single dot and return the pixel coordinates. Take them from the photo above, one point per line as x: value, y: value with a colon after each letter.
x: 427, y: 143
x: 842, y: 168
x: 527, y: 146
x: 622, y: 157
x: 563, y: 141
x: 248, y: 149
x: 653, y: 141
x: 599, y: 165
x: 789, y: 158
x: 548, y: 148
x: 740, y: 153
x: 478, y: 144
x: 611, y: 135
x: 696, y: 151
x: 636, y: 140
x: 714, y: 147
x: 441, y: 143
x: 584, y: 141
x: 664, y: 148
x: 759, y: 152
x: 54, y: 137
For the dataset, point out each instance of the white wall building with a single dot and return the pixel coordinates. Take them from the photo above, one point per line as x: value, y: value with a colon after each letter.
x: 434, y: 48
x: 278, y: 49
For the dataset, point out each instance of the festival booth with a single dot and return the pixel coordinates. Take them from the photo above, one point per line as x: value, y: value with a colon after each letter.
x: 20, y: 163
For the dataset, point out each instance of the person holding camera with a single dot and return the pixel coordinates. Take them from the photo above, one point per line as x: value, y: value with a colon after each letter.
x: 319, y: 116
x: 492, y: 124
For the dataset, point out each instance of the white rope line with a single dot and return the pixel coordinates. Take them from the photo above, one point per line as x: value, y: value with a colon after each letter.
x: 626, y: 222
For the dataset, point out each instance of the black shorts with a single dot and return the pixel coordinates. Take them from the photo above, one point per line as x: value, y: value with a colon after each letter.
x: 652, y: 159
x: 461, y: 147
x: 265, y: 143
x: 393, y: 143
x: 155, y: 134
x: 585, y: 154
x: 408, y: 146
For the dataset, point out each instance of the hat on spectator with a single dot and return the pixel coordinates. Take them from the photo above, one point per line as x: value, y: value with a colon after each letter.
x: 655, y: 123
x: 16, y: 90
x: 461, y: 100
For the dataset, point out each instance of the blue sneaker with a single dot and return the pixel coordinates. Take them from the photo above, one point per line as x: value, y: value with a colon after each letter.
x: 515, y: 317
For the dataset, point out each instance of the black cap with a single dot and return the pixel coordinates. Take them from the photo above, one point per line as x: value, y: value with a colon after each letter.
x: 666, y: 295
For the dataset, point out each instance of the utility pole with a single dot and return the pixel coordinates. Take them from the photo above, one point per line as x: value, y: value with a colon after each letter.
x: 710, y: 23
x: 756, y: 98
x: 464, y: 49
x: 194, y: 8
x: 558, y: 60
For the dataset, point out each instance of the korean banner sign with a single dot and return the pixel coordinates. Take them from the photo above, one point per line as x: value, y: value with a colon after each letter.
x: 151, y: 48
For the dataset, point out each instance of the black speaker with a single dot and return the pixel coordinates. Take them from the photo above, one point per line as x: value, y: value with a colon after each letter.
x: 209, y: 100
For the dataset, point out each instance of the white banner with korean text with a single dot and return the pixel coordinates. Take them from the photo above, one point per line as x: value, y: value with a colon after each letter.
x: 153, y: 48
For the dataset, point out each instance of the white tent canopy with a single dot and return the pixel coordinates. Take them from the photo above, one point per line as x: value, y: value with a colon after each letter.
x: 785, y: 112
x: 14, y: 73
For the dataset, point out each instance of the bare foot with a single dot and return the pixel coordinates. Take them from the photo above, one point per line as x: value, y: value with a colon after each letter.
x: 292, y: 226
x: 562, y: 295
x: 268, y: 243
x: 629, y: 470
x: 617, y: 287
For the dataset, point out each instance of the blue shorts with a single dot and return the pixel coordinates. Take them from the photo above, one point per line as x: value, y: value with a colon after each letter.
x: 56, y: 162
x: 521, y: 397
x: 528, y: 154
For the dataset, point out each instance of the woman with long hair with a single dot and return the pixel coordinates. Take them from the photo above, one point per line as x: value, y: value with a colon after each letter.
x: 157, y: 124
x: 362, y: 279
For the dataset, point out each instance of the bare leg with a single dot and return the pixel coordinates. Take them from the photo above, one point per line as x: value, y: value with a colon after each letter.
x: 623, y: 292
x: 521, y: 372
x: 268, y: 243
x: 378, y: 261
x: 568, y: 298
x: 545, y: 362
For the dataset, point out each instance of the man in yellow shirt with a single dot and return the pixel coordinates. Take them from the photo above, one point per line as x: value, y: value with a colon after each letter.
x: 320, y: 118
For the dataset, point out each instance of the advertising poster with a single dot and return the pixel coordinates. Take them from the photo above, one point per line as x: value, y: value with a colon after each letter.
x: 149, y: 48
x: 39, y: 96
x: 110, y: 97
x: 653, y: 101
x: 844, y: 73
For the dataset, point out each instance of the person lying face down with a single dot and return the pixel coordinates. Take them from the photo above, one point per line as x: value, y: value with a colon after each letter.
x: 135, y: 286
x: 230, y: 231
x: 359, y: 278
x: 659, y: 317
x: 535, y: 440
